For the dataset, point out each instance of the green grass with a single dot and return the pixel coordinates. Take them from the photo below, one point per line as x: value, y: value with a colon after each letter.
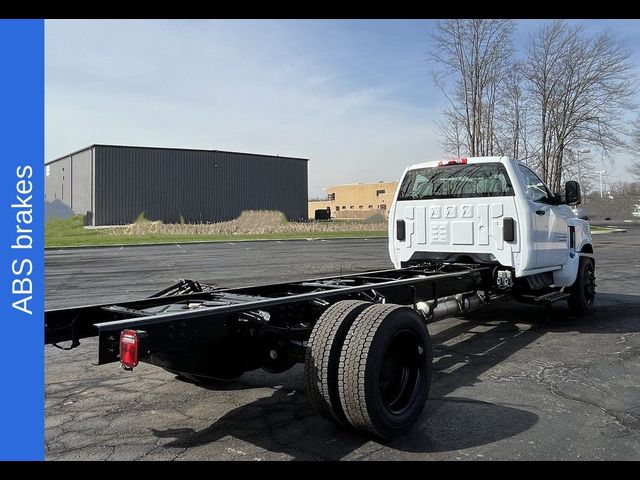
x: 71, y: 233
x: 68, y: 232
x: 605, y: 229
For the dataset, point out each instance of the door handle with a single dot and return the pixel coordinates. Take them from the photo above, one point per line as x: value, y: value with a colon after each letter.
x: 540, y: 212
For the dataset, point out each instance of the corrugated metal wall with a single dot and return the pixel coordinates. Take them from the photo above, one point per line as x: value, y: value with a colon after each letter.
x: 57, y: 181
x: 69, y: 180
x: 200, y: 186
x: 81, y: 182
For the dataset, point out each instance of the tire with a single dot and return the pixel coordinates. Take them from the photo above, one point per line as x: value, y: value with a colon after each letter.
x: 385, y: 370
x: 323, y: 354
x: 582, y: 292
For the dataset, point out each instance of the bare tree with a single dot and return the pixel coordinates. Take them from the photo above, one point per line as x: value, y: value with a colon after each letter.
x: 511, y: 128
x: 634, y: 168
x: 618, y: 203
x: 452, y: 129
x: 578, y: 165
x: 477, y: 53
x: 579, y: 88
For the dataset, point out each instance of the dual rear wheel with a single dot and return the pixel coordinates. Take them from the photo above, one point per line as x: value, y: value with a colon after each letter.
x: 368, y: 366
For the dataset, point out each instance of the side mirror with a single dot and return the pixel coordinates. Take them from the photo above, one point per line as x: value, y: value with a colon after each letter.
x: 572, y: 193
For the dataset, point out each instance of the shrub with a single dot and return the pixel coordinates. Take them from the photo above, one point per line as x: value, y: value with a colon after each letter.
x: 375, y: 218
x: 250, y: 222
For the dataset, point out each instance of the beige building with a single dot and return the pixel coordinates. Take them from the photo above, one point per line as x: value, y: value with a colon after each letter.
x: 356, y: 200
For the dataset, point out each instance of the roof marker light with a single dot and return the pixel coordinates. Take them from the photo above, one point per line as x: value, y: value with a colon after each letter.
x: 459, y: 161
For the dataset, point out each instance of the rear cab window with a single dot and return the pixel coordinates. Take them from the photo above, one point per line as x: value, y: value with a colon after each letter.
x: 456, y: 181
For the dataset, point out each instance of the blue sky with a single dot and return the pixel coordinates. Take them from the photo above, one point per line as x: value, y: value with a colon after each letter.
x: 355, y: 97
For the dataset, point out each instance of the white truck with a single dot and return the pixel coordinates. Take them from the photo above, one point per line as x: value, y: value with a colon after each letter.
x: 495, y: 211
x: 461, y: 233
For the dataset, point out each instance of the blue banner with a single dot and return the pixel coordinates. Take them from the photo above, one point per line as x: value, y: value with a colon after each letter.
x: 22, y: 239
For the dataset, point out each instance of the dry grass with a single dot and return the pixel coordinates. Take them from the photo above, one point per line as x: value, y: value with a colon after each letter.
x: 250, y: 222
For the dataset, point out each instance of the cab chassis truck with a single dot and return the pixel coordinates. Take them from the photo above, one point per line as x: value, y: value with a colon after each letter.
x: 462, y: 233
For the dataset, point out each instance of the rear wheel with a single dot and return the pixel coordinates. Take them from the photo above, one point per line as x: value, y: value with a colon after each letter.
x: 582, y: 292
x: 385, y: 370
x: 323, y: 354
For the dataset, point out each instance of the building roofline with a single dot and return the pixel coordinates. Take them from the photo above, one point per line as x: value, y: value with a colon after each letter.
x: 47, y: 162
x: 172, y: 148
x: 361, y: 183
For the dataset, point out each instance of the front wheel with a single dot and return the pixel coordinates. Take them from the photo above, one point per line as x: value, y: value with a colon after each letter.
x: 582, y: 293
x: 385, y: 370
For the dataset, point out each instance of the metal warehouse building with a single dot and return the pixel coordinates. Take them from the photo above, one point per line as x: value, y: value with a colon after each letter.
x: 113, y: 185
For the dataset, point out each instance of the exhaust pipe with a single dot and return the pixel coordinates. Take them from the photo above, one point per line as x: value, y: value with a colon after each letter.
x: 449, y: 306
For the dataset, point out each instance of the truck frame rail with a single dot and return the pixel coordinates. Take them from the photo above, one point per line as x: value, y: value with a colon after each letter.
x: 188, y: 314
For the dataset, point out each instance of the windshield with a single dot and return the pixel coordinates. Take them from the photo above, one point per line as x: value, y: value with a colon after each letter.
x: 456, y: 181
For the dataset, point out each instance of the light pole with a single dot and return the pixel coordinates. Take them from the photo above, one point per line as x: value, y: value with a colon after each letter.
x: 586, y: 150
x: 577, y: 154
x: 601, y: 172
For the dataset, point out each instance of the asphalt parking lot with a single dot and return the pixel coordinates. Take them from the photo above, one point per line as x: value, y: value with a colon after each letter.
x: 511, y: 382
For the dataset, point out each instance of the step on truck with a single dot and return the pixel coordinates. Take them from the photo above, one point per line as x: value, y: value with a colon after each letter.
x: 462, y: 233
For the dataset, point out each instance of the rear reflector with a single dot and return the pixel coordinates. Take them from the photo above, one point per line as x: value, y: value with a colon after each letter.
x: 459, y: 161
x: 129, y: 349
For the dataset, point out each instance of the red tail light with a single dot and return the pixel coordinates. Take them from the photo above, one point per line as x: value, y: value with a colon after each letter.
x: 129, y: 349
x: 459, y: 161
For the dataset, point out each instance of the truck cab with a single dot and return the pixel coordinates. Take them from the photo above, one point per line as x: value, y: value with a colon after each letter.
x: 488, y: 210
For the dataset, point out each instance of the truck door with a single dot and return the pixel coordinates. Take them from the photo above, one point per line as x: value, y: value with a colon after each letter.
x: 550, y: 238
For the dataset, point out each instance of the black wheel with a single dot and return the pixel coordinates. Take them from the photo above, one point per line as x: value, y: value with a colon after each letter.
x: 582, y: 293
x: 385, y: 370
x: 323, y: 355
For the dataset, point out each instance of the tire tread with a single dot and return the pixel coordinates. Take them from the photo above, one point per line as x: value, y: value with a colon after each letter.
x: 353, y: 361
x: 322, y: 350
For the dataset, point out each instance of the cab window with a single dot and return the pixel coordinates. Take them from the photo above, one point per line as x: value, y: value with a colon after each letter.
x: 536, y: 189
x: 456, y: 181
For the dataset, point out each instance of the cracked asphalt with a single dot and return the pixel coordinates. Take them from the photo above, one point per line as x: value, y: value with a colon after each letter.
x: 511, y: 381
